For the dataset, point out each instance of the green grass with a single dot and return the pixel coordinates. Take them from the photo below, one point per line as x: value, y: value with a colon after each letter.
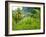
x: 27, y: 23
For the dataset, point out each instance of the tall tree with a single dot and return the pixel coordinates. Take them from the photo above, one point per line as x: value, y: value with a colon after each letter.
x: 18, y: 15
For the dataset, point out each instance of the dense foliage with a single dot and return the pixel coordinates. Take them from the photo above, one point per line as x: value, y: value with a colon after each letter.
x: 26, y: 19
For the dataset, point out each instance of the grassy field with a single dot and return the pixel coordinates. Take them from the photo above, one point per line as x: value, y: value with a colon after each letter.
x: 26, y: 23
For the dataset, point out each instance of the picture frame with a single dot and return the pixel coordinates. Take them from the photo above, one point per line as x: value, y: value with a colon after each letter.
x: 13, y: 5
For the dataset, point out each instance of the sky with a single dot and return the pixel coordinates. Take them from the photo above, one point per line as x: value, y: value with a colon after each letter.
x: 14, y: 8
